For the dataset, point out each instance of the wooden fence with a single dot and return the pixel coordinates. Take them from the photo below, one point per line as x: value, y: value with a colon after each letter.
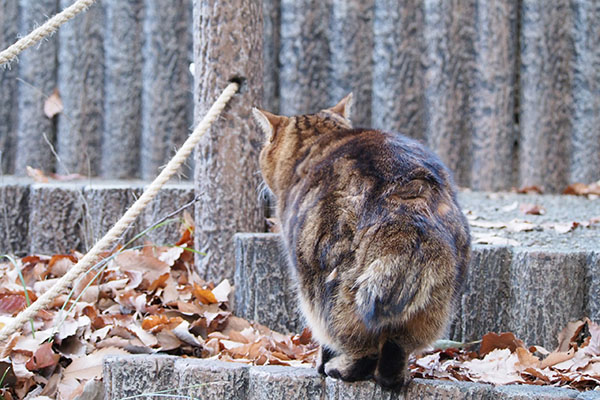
x: 506, y: 91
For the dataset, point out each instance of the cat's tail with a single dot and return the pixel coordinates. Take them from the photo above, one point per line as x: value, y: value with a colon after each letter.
x: 391, y: 289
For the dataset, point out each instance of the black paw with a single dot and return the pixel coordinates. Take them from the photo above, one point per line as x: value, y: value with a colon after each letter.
x: 324, y: 356
x: 321, y: 369
x: 334, y: 373
x: 393, y: 383
x: 351, y: 370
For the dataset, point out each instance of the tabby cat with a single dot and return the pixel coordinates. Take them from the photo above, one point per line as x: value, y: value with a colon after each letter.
x: 377, y: 243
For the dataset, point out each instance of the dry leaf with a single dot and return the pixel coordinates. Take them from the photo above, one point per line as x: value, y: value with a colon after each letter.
x: 569, y: 334
x: 564, y: 227
x: 498, y: 367
x: 221, y: 291
x: 526, y: 359
x: 593, y: 348
x: 581, y: 189
x: 90, y: 366
x: 492, y: 341
x: 530, y: 189
x: 557, y: 357
x: 36, y: 174
x: 43, y: 357
x: 517, y: 225
x: 532, y: 209
x: 487, y: 238
x: 53, y: 104
x: 204, y: 295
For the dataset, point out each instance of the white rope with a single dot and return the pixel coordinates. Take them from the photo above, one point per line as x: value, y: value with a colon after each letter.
x: 129, y: 216
x: 47, y: 29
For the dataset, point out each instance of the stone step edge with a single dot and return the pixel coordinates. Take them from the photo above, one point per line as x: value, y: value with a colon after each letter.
x: 55, y: 217
x: 212, y: 379
x: 505, y: 289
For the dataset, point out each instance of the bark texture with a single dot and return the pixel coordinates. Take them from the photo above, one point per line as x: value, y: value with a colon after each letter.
x: 227, y: 45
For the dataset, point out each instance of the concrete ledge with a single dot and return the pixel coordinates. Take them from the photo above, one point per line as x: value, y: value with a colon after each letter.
x: 532, y: 288
x: 209, y: 379
x: 58, y: 217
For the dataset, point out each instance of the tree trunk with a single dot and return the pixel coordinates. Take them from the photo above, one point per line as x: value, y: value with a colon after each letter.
x: 227, y: 45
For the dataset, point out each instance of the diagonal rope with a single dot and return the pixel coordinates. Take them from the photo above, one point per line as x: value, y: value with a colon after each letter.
x: 129, y: 216
x: 47, y: 29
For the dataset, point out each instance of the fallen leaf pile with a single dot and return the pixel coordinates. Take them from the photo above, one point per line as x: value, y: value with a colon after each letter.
x: 503, y: 359
x: 146, y: 300
x: 150, y: 300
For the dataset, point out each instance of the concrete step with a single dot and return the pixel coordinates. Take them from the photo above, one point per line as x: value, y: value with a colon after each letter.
x: 126, y: 376
x: 532, y: 285
x: 58, y: 217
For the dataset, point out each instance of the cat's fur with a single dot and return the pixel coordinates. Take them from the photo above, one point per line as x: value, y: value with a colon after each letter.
x: 375, y: 238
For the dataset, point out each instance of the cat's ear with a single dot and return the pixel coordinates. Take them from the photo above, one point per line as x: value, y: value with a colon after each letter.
x: 344, y: 107
x: 268, y: 122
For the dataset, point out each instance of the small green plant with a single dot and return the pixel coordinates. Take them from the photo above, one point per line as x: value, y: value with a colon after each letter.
x: 27, y: 300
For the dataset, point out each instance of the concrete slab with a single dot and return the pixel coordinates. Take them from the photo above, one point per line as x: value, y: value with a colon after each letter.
x: 210, y: 379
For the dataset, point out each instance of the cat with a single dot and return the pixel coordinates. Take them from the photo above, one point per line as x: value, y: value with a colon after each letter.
x: 376, y: 241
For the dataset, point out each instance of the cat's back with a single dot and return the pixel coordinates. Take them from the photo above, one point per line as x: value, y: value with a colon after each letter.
x: 368, y: 191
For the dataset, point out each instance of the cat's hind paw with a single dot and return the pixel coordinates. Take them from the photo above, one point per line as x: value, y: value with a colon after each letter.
x: 350, y: 370
x: 393, y: 383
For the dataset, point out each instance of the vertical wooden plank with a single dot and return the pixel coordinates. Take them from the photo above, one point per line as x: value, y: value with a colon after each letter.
x: 585, y: 153
x: 271, y: 45
x: 227, y: 44
x: 304, y: 57
x: 9, y: 26
x: 166, y: 83
x: 123, y: 89
x: 351, y: 47
x: 37, y: 81
x: 81, y: 87
x: 398, y: 71
x: 546, y: 97
x: 450, y: 58
x: 493, y: 93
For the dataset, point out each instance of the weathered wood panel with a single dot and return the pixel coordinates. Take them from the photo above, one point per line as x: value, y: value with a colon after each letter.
x: 122, y: 89
x: 271, y: 43
x: 81, y: 87
x: 546, y: 93
x: 166, y: 83
x: 398, y: 65
x: 304, y: 56
x: 351, y: 47
x: 492, y: 110
x: 37, y: 80
x: 450, y: 64
x: 9, y: 27
x: 585, y: 151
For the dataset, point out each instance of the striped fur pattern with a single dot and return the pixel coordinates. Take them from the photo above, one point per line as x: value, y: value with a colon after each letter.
x: 375, y: 238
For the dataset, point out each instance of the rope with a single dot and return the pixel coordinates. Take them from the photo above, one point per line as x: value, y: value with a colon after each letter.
x: 47, y: 29
x: 129, y: 216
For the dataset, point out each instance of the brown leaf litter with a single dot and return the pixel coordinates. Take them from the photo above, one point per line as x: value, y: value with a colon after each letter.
x: 150, y: 300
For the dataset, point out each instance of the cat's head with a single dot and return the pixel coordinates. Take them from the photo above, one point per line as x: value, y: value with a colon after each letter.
x: 286, y: 136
